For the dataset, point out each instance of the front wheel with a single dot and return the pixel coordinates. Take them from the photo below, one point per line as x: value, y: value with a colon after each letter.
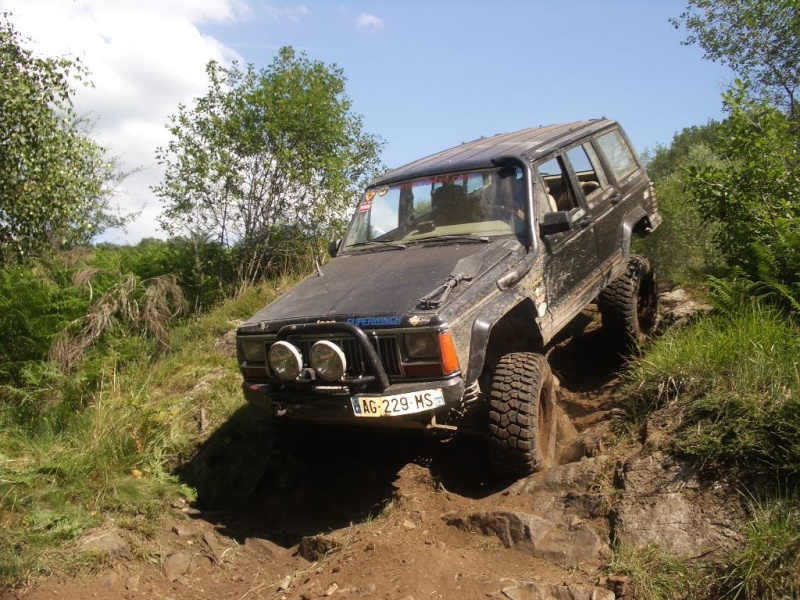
x: 522, y: 415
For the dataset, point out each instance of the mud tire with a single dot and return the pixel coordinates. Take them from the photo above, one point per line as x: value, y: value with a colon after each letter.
x: 522, y: 416
x: 629, y: 304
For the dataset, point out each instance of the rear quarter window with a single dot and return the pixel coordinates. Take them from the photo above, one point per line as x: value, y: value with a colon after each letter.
x: 617, y: 153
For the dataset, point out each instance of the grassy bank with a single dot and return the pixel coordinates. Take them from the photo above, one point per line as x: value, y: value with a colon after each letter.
x: 110, y: 455
x: 734, y: 382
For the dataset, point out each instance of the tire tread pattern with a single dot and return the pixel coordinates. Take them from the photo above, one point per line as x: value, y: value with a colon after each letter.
x: 514, y: 414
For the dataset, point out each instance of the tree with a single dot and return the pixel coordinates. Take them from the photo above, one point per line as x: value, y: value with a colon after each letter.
x: 55, y: 182
x: 754, y: 196
x: 758, y: 39
x: 266, y: 158
x: 683, y: 249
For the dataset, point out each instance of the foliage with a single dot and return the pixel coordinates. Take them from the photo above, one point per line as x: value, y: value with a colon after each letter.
x: 767, y: 565
x: 130, y: 304
x: 683, y: 247
x: 205, y: 270
x: 115, y: 456
x: 758, y: 39
x: 267, y: 162
x: 754, y: 196
x: 34, y: 306
x: 55, y: 182
x: 735, y: 377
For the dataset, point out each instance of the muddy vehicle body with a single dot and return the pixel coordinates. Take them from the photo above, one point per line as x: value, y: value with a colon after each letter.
x: 455, y: 273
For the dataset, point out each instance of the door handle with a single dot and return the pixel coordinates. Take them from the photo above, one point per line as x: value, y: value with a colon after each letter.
x: 585, y: 222
x: 616, y: 198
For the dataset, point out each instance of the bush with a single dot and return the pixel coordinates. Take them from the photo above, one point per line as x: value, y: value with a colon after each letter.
x: 682, y: 248
x: 754, y: 196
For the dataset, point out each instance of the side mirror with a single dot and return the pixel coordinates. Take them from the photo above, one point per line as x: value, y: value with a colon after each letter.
x: 333, y: 247
x: 556, y: 222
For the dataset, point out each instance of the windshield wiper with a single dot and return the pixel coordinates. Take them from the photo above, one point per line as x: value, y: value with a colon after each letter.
x: 387, y: 243
x: 457, y: 238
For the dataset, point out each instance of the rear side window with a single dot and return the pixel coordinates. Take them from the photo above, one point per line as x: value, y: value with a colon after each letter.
x: 619, y: 156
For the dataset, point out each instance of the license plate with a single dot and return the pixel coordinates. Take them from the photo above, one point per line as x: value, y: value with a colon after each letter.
x: 399, y: 404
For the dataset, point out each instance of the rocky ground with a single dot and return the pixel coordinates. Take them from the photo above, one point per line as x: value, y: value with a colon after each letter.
x: 391, y: 516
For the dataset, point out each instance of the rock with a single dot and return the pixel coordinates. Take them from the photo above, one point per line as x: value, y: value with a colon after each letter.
x: 182, y: 529
x: 546, y: 539
x: 264, y: 548
x: 677, y: 309
x: 216, y: 547
x: 579, y: 489
x: 540, y: 591
x: 663, y: 503
x: 175, y: 565
x: 109, y: 543
x: 314, y: 548
x: 331, y: 590
x: 132, y: 582
x: 285, y: 583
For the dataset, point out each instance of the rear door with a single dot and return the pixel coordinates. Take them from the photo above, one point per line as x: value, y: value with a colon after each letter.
x: 627, y: 183
x: 601, y: 197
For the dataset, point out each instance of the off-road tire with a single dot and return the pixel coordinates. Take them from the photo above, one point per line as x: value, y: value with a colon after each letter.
x: 628, y: 305
x: 522, y: 416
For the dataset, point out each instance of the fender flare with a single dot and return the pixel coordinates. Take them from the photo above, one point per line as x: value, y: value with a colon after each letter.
x: 481, y: 333
x: 629, y: 225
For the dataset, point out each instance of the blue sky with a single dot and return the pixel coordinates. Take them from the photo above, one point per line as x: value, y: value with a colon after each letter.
x: 429, y: 75
x: 424, y: 75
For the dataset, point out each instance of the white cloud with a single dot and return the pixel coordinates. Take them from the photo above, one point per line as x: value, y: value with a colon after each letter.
x: 286, y: 13
x: 144, y: 58
x: 367, y: 21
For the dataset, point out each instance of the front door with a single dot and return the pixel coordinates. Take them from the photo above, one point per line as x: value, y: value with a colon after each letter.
x: 571, y: 273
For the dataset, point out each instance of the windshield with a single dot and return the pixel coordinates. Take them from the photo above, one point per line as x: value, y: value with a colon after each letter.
x: 484, y: 203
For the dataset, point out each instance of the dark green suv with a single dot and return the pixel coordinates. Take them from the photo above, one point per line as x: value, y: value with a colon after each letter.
x: 455, y: 273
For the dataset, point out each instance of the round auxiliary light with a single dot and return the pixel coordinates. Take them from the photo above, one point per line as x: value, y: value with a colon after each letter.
x: 328, y: 360
x: 285, y: 360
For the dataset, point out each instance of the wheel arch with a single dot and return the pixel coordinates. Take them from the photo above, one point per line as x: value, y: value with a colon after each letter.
x: 637, y: 222
x: 494, y: 335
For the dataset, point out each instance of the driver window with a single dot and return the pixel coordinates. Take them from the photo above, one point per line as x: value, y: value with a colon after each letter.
x: 557, y: 187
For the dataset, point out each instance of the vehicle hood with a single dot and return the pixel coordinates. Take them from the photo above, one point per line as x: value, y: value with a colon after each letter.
x: 390, y: 282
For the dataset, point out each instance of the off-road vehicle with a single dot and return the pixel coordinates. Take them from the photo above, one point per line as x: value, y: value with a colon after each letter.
x: 454, y: 274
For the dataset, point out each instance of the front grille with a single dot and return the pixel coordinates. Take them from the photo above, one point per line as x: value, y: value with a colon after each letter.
x: 386, y: 347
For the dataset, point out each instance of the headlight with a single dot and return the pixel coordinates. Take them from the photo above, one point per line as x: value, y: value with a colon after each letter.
x: 328, y: 360
x: 252, y: 350
x: 285, y: 360
x: 422, y: 344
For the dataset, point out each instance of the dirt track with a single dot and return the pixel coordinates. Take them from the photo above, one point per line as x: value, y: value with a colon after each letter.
x: 366, y: 511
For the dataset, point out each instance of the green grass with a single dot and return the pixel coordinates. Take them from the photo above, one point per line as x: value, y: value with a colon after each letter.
x: 767, y: 565
x: 654, y: 574
x: 110, y: 454
x: 737, y: 382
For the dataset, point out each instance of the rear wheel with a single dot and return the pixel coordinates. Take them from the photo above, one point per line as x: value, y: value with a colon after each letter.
x: 629, y: 303
x: 522, y: 413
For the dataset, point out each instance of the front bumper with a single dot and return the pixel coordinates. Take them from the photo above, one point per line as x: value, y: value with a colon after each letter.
x: 335, y: 406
